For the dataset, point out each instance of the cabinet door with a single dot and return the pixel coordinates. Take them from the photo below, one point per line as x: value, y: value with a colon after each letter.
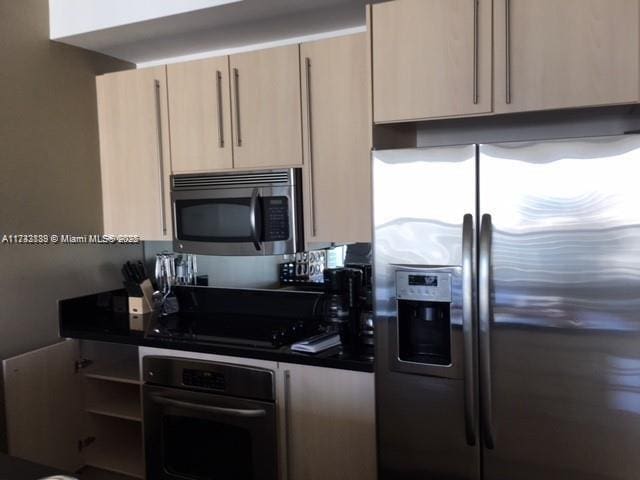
x: 43, y: 401
x: 200, y: 115
x: 561, y: 54
x: 267, y: 130
x: 337, y: 147
x: 330, y: 423
x: 431, y: 58
x: 134, y: 153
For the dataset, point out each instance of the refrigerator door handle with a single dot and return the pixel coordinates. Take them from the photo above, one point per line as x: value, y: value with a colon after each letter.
x: 484, y: 294
x: 469, y: 330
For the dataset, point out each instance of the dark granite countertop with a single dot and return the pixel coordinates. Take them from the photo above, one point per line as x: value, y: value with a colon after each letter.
x: 84, y: 318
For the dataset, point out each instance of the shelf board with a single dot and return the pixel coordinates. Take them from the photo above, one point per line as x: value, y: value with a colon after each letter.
x: 119, y: 400
x: 123, y: 372
x: 124, y: 411
x: 118, y: 447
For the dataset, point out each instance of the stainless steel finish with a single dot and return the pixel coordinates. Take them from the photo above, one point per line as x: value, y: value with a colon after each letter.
x: 176, y: 413
x: 312, y: 207
x: 475, y: 51
x: 236, y: 82
x: 220, y: 117
x: 163, y: 218
x: 440, y: 293
x: 419, y: 221
x: 232, y: 412
x: 565, y: 326
x: 262, y: 178
x: 285, y: 182
x: 484, y: 308
x: 254, y: 203
x: 241, y: 381
x: 287, y: 421
x: 507, y: 8
x: 469, y: 330
x: 451, y: 276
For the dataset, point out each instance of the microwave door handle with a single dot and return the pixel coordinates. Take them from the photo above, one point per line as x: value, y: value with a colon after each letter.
x: 198, y: 407
x: 252, y: 219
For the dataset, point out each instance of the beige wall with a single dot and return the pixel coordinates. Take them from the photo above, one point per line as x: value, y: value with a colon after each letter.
x: 49, y: 175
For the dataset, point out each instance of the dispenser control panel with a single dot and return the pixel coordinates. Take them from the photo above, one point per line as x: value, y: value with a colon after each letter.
x: 423, y: 285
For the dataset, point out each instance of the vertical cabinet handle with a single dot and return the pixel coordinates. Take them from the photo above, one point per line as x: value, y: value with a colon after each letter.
x: 236, y: 83
x: 160, y: 156
x: 469, y: 330
x: 475, y: 51
x: 220, y: 117
x: 307, y: 64
x: 507, y: 16
x: 484, y: 295
x: 287, y: 421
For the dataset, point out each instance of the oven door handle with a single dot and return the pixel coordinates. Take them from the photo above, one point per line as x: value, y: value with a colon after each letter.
x: 198, y: 407
x: 252, y: 220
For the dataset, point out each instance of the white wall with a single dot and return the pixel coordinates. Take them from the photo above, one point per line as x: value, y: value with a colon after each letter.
x: 71, y: 17
x: 294, y: 40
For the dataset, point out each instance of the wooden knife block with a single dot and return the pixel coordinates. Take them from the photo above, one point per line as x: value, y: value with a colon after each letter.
x: 143, y: 304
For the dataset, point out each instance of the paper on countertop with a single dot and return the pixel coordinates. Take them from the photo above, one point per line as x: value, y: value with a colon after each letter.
x: 317, y: 344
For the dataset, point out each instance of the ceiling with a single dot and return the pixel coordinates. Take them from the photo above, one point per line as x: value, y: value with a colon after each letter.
x: 225, y: 27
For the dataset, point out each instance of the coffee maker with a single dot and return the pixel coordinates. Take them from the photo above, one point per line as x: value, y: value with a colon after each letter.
x: 346, y: 300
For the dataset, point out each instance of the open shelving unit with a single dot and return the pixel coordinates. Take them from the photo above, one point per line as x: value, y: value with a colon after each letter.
x: 113, y: 407
x: 112, y: 399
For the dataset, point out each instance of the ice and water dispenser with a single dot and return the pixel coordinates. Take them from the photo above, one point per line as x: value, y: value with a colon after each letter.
x: 428, y: 314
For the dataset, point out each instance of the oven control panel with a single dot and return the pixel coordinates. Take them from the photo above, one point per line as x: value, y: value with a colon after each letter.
x: 203, y: 379
x: 209, y: 377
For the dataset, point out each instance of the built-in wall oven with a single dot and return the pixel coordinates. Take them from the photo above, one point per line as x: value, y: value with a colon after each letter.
x: 208, y: 420
x: 238, y: 213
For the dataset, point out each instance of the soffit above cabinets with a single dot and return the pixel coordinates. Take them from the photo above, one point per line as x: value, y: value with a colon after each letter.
x: 173, y: 30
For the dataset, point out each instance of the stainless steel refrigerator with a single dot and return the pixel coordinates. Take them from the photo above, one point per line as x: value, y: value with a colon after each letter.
x: 507, y: 298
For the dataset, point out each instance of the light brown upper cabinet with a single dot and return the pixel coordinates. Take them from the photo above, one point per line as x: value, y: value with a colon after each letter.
x: 265, y: 86
x: 134, y: 152
x: 565, y: 53
x: 431, y: 59
x: 200, y: 115
x: 335, y: 87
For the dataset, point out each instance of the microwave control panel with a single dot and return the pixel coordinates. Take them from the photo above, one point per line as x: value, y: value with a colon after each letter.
x: 276, y: 218
x: 423, y: 285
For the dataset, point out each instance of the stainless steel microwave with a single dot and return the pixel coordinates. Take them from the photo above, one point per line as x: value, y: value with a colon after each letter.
x: 238, y: 213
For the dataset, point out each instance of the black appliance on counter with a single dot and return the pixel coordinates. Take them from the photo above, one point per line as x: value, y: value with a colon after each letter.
x: 205, y: 420
x: 347, y: 306
x: 244, y: 317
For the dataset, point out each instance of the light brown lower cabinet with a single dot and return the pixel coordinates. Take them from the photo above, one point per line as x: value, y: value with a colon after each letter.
x: 329, y: 418
x: 75, y: 404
